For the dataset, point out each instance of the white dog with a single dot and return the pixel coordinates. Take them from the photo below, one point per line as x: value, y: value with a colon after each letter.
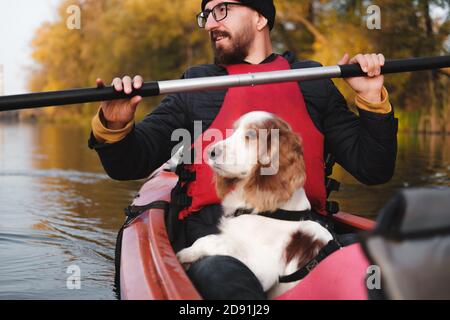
x: 259, y: 177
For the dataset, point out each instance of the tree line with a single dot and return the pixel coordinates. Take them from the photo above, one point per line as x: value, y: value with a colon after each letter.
x: 160, y: 39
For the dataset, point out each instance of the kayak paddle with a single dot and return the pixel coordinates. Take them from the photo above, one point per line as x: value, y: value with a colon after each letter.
x: 155, y: 88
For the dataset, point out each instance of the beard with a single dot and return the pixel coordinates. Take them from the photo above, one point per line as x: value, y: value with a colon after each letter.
x: 238, y: 49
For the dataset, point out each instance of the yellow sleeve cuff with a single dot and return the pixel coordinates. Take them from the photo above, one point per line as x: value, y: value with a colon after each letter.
x: 383, y: 107
x: 105, y: 135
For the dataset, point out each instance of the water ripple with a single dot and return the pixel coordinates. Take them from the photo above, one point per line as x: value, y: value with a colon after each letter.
x: 71, y: 175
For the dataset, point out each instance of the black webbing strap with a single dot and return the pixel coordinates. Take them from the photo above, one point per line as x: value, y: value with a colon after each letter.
x: 131, y: 213
x: 331, y: 185
x: 279, y: 214
x: 179, y: 194
x: 181, y: 199
x: 329, y: 163
x: 330, y: 248
x: 184, y: 175
x: 332, y: 207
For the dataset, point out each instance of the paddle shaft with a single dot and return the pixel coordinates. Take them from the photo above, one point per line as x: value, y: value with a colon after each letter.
x: 155, y: 88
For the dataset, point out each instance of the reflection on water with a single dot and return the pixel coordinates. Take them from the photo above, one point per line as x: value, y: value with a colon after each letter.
x: 58, y: 208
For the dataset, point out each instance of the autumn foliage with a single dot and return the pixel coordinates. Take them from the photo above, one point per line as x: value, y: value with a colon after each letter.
x: 160, y: 39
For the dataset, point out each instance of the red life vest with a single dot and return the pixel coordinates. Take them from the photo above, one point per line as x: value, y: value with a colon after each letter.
x: 284, y: 100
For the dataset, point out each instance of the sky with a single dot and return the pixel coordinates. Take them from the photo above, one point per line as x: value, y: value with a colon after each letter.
x: 18, y: 21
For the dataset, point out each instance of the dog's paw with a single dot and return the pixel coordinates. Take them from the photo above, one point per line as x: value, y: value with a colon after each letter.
x: 187, y: 257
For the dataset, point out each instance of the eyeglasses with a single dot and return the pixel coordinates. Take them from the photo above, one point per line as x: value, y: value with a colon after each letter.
x: 219, y: 13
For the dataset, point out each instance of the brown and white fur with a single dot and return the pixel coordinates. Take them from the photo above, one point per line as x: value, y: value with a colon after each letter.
x: 268, y: 247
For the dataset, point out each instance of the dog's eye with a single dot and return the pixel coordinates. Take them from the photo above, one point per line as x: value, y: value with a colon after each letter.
x: 251, y: 134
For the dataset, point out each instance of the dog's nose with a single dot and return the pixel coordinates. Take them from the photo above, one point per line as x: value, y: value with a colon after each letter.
x: 214, y: 153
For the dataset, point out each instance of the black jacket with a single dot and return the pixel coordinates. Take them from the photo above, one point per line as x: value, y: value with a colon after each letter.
x: 365, y: 145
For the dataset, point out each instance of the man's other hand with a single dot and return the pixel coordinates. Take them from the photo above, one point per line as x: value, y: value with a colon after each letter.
x: 369, y: 87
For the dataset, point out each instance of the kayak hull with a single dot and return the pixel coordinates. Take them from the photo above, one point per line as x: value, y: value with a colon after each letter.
x: 329, y: 282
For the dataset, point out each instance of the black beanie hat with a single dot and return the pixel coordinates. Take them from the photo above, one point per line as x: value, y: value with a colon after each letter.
x: 264, y: 7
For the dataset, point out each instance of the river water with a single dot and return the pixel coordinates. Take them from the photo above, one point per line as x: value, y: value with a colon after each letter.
x: 58, y: 209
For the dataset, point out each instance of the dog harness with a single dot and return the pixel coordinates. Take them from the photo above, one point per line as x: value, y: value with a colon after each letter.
x: 286, y: 215
x: 196, y: 188
x: 331, y: 247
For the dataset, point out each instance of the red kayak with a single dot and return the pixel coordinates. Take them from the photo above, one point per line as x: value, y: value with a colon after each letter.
x: 150, y: 270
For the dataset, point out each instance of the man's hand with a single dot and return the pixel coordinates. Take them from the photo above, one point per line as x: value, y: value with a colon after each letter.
x: 118, y: 113
x: 369, y: 87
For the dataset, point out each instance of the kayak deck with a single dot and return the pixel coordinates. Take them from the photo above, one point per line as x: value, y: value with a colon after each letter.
x: 150, y: 269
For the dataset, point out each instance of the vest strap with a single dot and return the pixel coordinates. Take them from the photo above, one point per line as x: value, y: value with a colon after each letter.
x: 332, y: 207
x: 179, y: 194
x: 329, y: 163
x: 332, y: 185
x: 182, y: 200
x: 185, y: 175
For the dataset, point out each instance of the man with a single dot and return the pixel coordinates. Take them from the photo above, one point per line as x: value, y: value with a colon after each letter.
x: 365, y: 146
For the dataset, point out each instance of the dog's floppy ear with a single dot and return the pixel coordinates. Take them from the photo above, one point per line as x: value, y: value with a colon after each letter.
x: 272, y: 184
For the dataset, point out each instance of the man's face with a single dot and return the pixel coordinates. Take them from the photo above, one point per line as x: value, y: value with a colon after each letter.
x: 232, y: 37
